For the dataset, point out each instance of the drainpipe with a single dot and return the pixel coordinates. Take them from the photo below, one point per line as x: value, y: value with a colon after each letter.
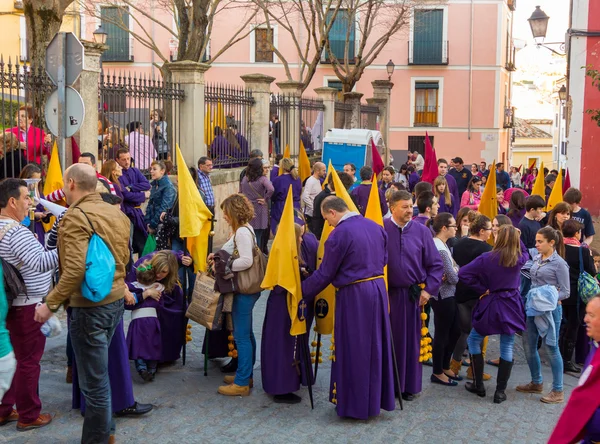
x: 470, y: 74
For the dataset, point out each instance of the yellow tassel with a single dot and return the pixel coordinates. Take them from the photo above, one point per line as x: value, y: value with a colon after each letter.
x: 312, y: 360
x: 230, y: 354
x: 320, y: 360
x: 313, y: 354
x: 313, y: 344
x: 230, y: 338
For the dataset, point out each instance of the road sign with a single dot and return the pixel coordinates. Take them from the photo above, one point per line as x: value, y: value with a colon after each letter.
x: 73, y: 58
x: 75, y: 112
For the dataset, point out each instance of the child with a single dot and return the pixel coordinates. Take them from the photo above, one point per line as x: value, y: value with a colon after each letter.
x: 573, y: 198
x: 596, y: 256
x: 442, y: 192
x: 144, y: 336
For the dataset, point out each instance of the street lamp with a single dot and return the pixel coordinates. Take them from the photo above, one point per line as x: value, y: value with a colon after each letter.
x: 390, y: 69
x: 100, y: 36
x: 539, y: 24
x: 562, y: 93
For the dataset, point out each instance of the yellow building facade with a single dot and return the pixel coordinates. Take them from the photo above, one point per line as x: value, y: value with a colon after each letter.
x: 530, y: 143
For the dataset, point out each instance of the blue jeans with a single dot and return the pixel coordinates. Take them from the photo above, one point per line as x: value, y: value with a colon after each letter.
x: 530, y: 341
x: 243, y: 304
x: 144, y: 364
x: 507, y: 343
x: 91, y: 332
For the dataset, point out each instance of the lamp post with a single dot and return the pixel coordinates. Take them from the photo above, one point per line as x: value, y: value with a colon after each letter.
x: 100, y: 37
x: 538, y: 22
x: 390, y: 69
x: 562, y: 97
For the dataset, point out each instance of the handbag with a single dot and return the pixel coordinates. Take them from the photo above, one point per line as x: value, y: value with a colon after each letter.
x: 100, y: 268
x: 249, y: 280
x: 587, y: 285
x: 150, y: 245
x: 206, y: 307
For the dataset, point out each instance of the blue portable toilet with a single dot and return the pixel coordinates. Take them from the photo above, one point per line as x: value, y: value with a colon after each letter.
x: 343, y: 146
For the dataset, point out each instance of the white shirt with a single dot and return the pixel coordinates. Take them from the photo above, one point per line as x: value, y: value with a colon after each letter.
x: 311, y: 189
x: 245, y: 240
x: 419, y: 163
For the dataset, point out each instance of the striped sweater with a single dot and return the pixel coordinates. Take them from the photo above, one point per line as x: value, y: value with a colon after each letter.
x: 59, y: 194
x: 20, y: 248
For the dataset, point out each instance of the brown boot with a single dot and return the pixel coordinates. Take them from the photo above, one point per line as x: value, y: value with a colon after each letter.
x: 530, y: 387
x: 455, y: 366
x: 43, y: 420
x: 69, y: 378
x: 14, y: 416
x: 230, y: 378
x: 486, y: 376
x: 553, y: 398
x: 234, y: 390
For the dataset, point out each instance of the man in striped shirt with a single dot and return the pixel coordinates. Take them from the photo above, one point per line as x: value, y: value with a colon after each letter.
x: 20, y: 248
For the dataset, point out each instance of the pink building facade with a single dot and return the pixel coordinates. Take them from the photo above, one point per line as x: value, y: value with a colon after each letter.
x: 452, y: 74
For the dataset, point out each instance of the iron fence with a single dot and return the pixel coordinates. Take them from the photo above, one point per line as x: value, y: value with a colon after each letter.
x: 369, y: 117
x: 138, y: 113
x: 24, y: 136
x: 342, y: 114
x: 227, y: 123
x: 282, y: 109
x: 311, y: 124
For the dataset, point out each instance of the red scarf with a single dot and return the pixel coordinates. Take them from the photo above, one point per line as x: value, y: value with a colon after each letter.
x: 584, y: 401
x: 571, y: 241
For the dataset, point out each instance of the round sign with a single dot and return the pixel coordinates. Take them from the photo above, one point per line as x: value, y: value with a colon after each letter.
x: 75, y: 112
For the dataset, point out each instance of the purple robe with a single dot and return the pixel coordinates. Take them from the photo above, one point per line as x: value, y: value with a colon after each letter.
x: 362, y: 371
x: 502, y: 311
x: 279, y: 350
x: 144, y: 340
x: 453, y: 188
x: 220, y: 150
x: 361, y: 198
x: 444, y: 207
x: 423, y: 221
x: 413, y: 179
x: 133, y: 184
x: 171, y: 315
x: 516, y: 216
x: 274, y: 174
x: 119, y: 375
x: 593, y: 426
x: 412, y: 259
x: 281, y: 184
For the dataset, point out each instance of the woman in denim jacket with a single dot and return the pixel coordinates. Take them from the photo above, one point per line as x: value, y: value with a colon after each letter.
x: 162, y: 195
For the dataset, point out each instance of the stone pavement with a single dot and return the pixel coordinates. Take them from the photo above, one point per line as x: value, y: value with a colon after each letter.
x: 188, y: 408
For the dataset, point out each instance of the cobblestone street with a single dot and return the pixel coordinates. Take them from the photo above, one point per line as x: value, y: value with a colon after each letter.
x: 189, y: 410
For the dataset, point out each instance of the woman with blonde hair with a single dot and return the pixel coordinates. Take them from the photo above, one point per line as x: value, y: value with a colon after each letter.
x: 281, y: 184
x: 444, y: 197
x: 238, y: 212
x: 496, y: 276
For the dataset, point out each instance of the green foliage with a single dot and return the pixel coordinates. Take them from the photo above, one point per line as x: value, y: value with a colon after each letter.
x: 8, y: 111
x: 593, y: 74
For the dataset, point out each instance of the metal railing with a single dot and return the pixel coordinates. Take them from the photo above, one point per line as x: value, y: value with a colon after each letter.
x: 342, y: 115
x: 423, y: 52
x: 311, y: 124
x: 426, y: 116
x: 227, y: 123
x: 509, y: 117
x: 128, y: 106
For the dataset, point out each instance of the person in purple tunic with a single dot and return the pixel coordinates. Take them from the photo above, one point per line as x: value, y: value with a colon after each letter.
x: 442, y: 192
x: 136, y: 189
x: 499, y: 311
x: 452, y: 185
x: 281, y: 184
x: 360, y: 194
x: 280, y: 350
x: 355, y: 255
x: 415, y: 270
x: 171, y: 313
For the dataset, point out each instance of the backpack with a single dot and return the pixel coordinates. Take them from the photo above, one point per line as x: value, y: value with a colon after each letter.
x: 14, y: 284
x: 100, y: 268
x: 587, y: 285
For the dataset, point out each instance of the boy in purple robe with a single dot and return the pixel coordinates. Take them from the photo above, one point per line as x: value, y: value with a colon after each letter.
x: 415, y: 270
x: 360, y: 194
x: 136, y: 189
x: 281, y: 185
x: 428, y: 207
x: 355, y: 254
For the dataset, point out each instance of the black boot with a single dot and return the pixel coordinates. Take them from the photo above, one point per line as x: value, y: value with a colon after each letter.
x: 568, y: 365
x: 231, y: 367
x: 504, y: 370
x: 477, y: 387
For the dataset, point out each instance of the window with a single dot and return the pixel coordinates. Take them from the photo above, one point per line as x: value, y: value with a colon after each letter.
x: 115, y: 21
x: 263, y: 45
x: 23, y: 39
x: 428, y: 46
x: 417, y: 143
x: 426, y: 103
x: 342, y: 31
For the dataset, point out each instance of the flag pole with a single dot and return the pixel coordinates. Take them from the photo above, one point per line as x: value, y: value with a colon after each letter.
x: 307, y: 367
x: 395, y: 361
x: 317, y: 355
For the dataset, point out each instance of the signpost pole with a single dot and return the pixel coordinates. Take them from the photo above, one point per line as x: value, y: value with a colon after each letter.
x: 62, y: 108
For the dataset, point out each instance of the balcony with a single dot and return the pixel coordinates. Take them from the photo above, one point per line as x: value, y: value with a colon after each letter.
x: 433, y: 52
x: 512, y: 4
x: 510, y: 64
x: 509, y: 117
x: 118, y: 50
x: 426, y: 116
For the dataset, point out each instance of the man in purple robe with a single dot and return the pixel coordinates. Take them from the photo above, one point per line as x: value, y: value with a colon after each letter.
x: 360, y: 194
x: 281, y: 185
x: 355, y: 254
x: 452, y: 185
x: 136, y: 189
x: 415, y: 272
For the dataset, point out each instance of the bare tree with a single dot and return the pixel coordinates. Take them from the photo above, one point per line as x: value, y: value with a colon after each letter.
x: 43, y: 19
x: 194, y: 25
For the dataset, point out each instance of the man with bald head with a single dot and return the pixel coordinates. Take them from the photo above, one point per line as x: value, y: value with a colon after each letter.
x: 312, y: 188
x: 92, y: 323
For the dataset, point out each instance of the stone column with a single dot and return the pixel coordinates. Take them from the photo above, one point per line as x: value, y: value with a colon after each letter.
x: 190, y: 75
x: 372, y: 118
x: 382, y: 89
x: 88, y: 88
x: 353, y: 99
x: 328, y: 96
x: 290, y: 124
x: 260, y: 85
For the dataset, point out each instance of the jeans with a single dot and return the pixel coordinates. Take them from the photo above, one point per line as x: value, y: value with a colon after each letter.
x: 92, y: 330
x: 446, y: 333
x: 507, y: 343
x: 243, y: 304
x: 147, y: 365
x: 530, y: 340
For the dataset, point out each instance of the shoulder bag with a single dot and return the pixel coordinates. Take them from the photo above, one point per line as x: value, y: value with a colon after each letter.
x: 249, y: 280
x: 587, y: 285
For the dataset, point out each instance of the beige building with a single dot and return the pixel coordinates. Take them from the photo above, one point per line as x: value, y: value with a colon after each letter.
x: 532, y: 140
